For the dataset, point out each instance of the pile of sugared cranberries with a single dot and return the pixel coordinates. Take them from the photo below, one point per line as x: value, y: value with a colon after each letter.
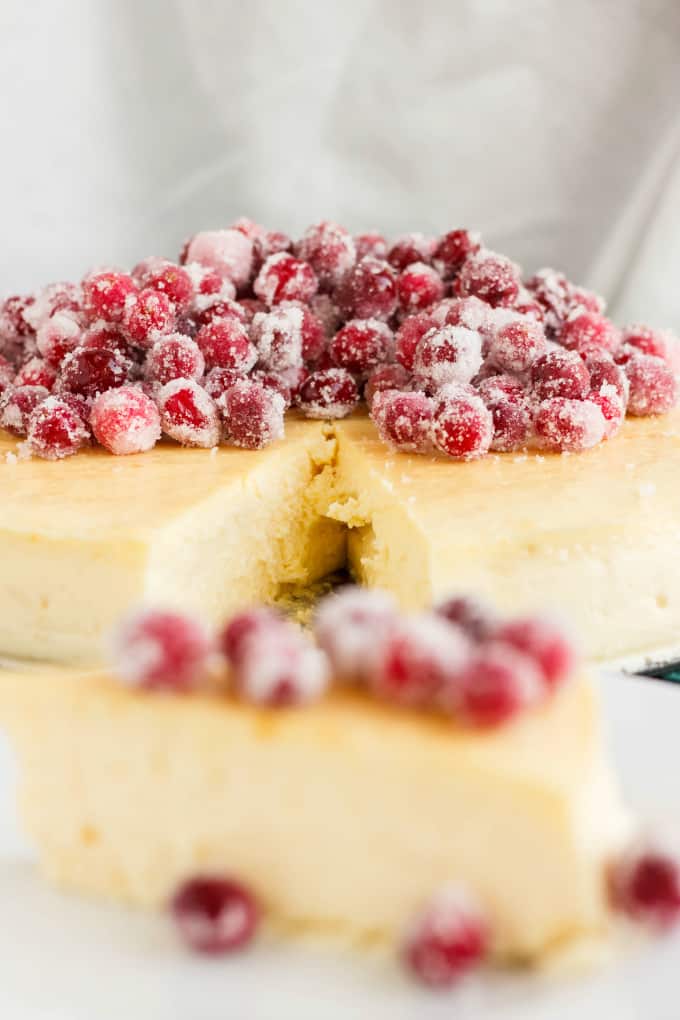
x: 450, y: 349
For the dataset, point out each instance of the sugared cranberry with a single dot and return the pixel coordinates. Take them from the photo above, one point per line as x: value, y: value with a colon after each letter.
x: 559, y: 298
x: 189, y: 414
x: 147, y: 315
x: 249, y: 228
x: 605, y: 372
x: 253, y: 414
x: 57, y: 336
x: 361, y: 345
x: 410, y: 248
x: 501, y: 387
x: 645, y: 884
x: 250, y: 307
x: 512, y: 424
x: 277, y: 335
x: 369, y: 290
x: 206, y: 281
x: 55, y: 430
x: 653, y: 388
x: 276, y: 381
x: 92, y: 370
x: 110, y: 336
x: 229, y: 252
x: 285, y: 278
x: 446, y: 355
x: 490, y: 277
x: 568, y: 426
x: 270, y: 243
x: 218, y: 381
x: 498, y: 683
x: 447, y: 940
x: 404, y: 420
x: 418, y: 287
x: 462, y: 311
x: 612, y: 407
x: 589, y: 333
x: 560, y: 373
x: 347, y: 625
x: 328, y: 393
x: 125, y: 421
x: 527, y: 305
x: 6, y: 373
x: 462, y: 424
x: 474, y: 617
x: 409, y: 335
x: 16, y: 406
x: 660, y: 343
x: 453, y: 249
x: 224, y: 343
x: 170, y: 279
x: 250, y: 624
x: 215, y: 915
x: 387, y: 377
x: 515, y: 346
x: 370, y: 243
x: 280, y: 667
x: 160, y: 650
x: 545, y: 643
x: 329, y: 250
x: 218, y: 306
x: 174, y: 357
x: 36, y: 372
x: 416, y: 658
x: 52, y: 300
x: 106, y: 294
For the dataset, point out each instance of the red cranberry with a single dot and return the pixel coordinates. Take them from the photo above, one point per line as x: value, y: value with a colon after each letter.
x: 170, y: 279
x: 447, y: 940
x: 58, y: 336
x: 560, y: 374
x: 36, y: 372
x: 526, y: 304
x: 489, y: 276
x: 313, y: 333
x: 512, y: 425
x: 645, y: 885
x: 612, y: 407
x: 388, y: 377
x: 409, y: 335
x: 501, y: 387
x: 224, y: 343
x: 408, y: 249
x: 471, y: 615
x: 160, y: 650
x: 658, y: 342
x: 271, y: 243
x: 101, y: 334
x: 281, y: 667
x: 545, y: 644
x: 559, y: 298
x: 329, y: 250
x: 215, y: 915
x: 6, y: 373
x: 147, y: 315
x: 404, y: 420
x: 328, y: 393
x: 418, y: 287
x: 250, y: 308
x: 653, y: 389
x: 249, y: 228
x: 370, y: 243
x: 125, y: 421
x: 188, y: 414
x: 105, y: 295
x: 589, y: 333
x: 462, y: 311
x: 416, y: 658
x: 217, y: 306
x: 253, y: 414
x: 605, y: 372
x: 207, y: 281
x: 369, y: 290
x: 498, y: 683
x: 515, y: 346
x: 361, y: 345
x: 92, y: 370
x: 347, y: 625
x: 174, y: 357
x: 218, y: 381
x: 250, y: 624
x: 452, y: 250
x: 17, y: 405
x: 229, y: 252
x: 568, y: 426
x: 52, y: 300
x: 285, y: 278
x: 276, y: 381
x: 446, y: 355
x: 55, y: 430
x: 277, y: 335
x: 463, y: 426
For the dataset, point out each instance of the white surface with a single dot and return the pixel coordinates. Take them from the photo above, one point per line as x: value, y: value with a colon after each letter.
x: 67, y: 959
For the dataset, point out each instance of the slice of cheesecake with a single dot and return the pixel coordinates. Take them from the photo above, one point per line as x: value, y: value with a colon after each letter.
x: 343, y: 816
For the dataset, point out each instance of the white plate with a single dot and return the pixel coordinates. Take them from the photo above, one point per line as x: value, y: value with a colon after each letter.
x: 66, y: 959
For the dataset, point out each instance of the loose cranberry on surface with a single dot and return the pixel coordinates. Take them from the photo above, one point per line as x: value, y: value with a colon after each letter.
x: 589, y: 332
x: 463, y: 425
x: 369, y: 290
x: 453, y: 249
x: 215, y: 915
x: 347, y: 625
x: 16, y: 406
x: 57, y: 336
x: 498, y: 683
x: 490, y: 277
x: 569, y: 426
x: 330, y: 251
x: 147, y: 315
x: 387, y: 377
x: 328, y: 393
x: 229, y: 252
x: 370, y: 243
x: 92, y: 370
x: 277, y: 336
x: 447, y: 355
x: 280, y: 667
x: 645, y: 884
x: 515, y: 346
x: 361, y: 345
x: 475, y: 618
x: 447, y: 940
x: 253, y: 414
x: 56, y: 430
x: 170, y: 279
x: 285, y: 278
x: 416, y: 658
x: 125, y: 421
x: 174, y: 356
x: 545, y: 643
x: 560, y: 373
x: 418, y: 287
x: 653, y: 388
x: 410, y: 248
x: 248, y: 626
x: 189, y: 414
x: 160, y: 650
x: 36, y: 372
x: 409, y: 335
x: 404, y: 420
x: 105, y: 295
x: 224, y: 343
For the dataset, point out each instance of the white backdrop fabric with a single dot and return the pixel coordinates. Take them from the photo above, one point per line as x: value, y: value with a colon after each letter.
x: 553, y: 127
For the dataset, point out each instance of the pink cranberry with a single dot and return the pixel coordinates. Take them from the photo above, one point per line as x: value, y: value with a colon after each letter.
x: 559, y: 298
x: 490, y: 277
x: 645, y: 885
x: 285, y: 278
x: 229, y: 252
x: 174, y: 357
x: 271, y: 243
x: 36, y: 372
x: 452, y: 250
x: 189, y: 414
x: 418, y: 287
x: 281, y: 667
x: 653, y: 389
x: 568, y: 426
x: 416, y: 658
x: 347, y: 625
x: 361, y: 345
x: 447, y: 940
x: 605, y: 372
x: 527, y: 305
x: 588, y: 333
x: 92, y: 370
x: 218, y: 381
x: 512, y: 425
x: 249, y: 228
x: 52, y: 300
x: 276, y: 381
x: 277, y: 335
x: 215, y: 915
x: 446, y: 355
x: 545, y: 644
x: 370, y: 243
x: 409, y: 335
x: 125, y: 421
x: 410, y: 248
x: 658, y: 342
x: 17, y: 405
x: 55, y: 430
x: 404, y: 420
x: 160, y: 650
x: 224, y: 343
x: 462, y: 311
x: 218, y: 306
x: 206, y: 281
x: 387, y: 377
x: 246, y: 626
x: 329, y: 250
x: 6, y: 373
x: 253, y: 414
x: 57, y: 336
x: 328, y: 393
x: 369, y: 290
x: 313, y: 333
x: 471, y: 615
x: 515, y: 346
x: 498, y: 683
x: 560, y: 373
x: 105, y: 295
x: 612, y: 407
x: 148, y: 315
x: 501, y: 387
x: 170, y: 279
x: 463, y: 425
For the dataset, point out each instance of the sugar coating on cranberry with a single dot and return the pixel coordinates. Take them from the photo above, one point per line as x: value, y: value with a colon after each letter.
x: 36, y: 372
x: 370, y: 243
x: 217, y: 382
x: 277, y: 335
x: 416, y: 658
x: 559, y: 298
x: 252, y: 414
x: 612, y: 406
x: 52, y: 300
x: 452, y: 250
x: 57, y: 336
x: 645, y: 883
x: 418, y: 287
x: 206, y: 281
x: 106, y: 294
x: 569, y: 426
x: 545, y: 643
x: 503, y: 386
x: 160, y: 650
x: 387, y: 377
x: 347, y: 625
x: 17, y: 403
x: 361, y: 345
x: 409, y: 335
x: 445, y: 355
x: 489, y: 276
x: 660, y: 343
x: 55, y: 430
x: 125, y: 421
x: 285, y: 278
x: 588, y: 333
x: 410, y: 248
x: 462, y: 424
x: 653, y: 386
x: 604, y: 372
x: 313, y: 332
x: 461, y: 311
x: 189, y: 415
x: 92, y: 370
x: 6, y: 373
x: 472, y: 615
x: 224, y: 343
x: 170, y: 279
x: 215, y: 915
x: 512, y: 424
x: 516, y: 345
x: 208, y: 307
x: 248, y: 624
x: 447, y: 940
x: 110, y: 336
x: 560, y: 373
x: 229, y: 252
x: 404, y: 420
x: 326, y: 310
x: 498, y: 684
x: 329, y: 249
x: 280, y: 667
x: 328, y: 393
x: 174, y: 356
x: 147, y: 315
x: 369, y: 290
